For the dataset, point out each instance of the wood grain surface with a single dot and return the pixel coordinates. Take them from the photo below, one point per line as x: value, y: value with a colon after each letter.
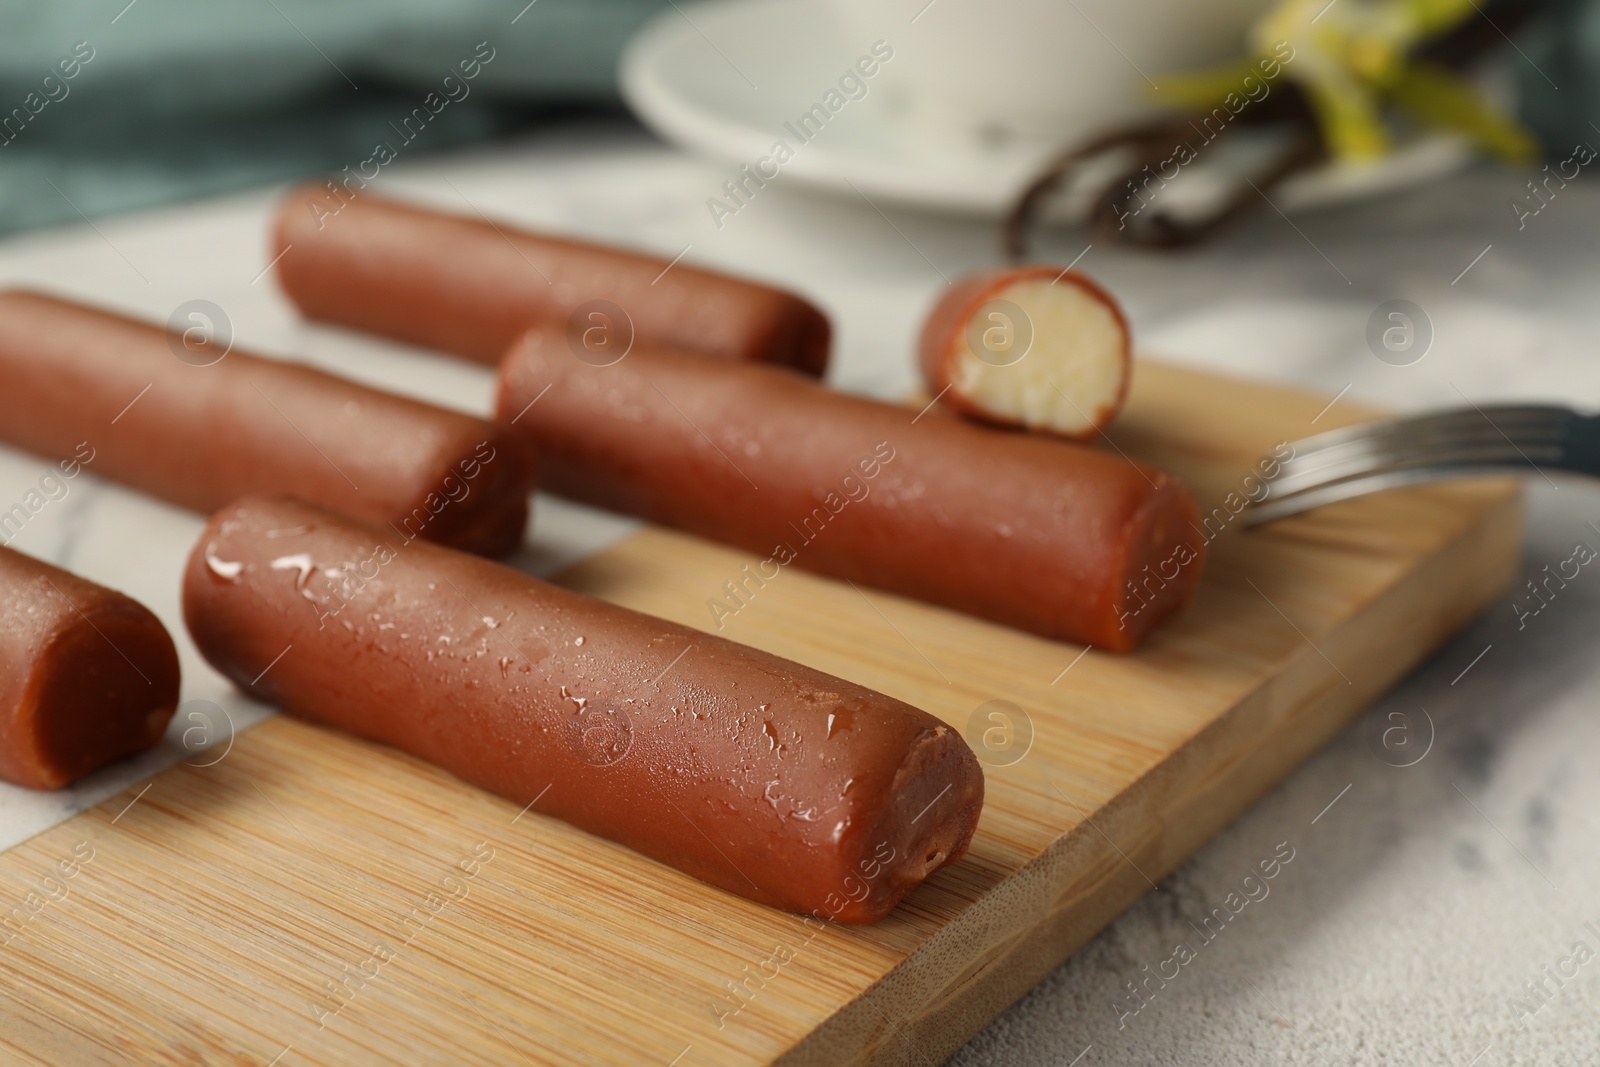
x: 313, y: 899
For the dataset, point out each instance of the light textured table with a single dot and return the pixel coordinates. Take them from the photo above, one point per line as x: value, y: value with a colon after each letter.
x: 1424, y: 899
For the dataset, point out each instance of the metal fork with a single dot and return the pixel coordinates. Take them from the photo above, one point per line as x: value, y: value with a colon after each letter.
x: 1362, y: 459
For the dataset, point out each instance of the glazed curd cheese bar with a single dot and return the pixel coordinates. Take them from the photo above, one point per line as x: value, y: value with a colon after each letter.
x: 88, y: 676
x: 197, y: 424
x: 1044, y: 535
x: 766, y: 778
x: 469, y: 286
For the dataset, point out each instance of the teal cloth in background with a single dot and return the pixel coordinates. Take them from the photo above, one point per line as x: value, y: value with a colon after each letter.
x: 1558, y: 76
x: 186, y: 98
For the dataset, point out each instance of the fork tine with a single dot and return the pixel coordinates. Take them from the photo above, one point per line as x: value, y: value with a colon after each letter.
x: 1354, y: 460
x: 1495, y: 453
x: 1315, y: 496
x: 1515, y: 421
x: 1499, y: 413
x: 1382, y: 450
x: 1523, y: 429
x: 1443, y: 426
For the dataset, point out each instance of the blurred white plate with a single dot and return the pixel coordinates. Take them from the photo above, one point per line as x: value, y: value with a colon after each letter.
x: 722, y: 79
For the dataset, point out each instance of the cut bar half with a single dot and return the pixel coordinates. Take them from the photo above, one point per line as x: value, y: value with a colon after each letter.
x: 1035, y: 347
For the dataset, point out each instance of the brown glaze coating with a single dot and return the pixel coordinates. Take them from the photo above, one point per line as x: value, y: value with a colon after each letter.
x: 85, y: 382
x: 87, y: 675
x: 470, y: 286
x: 1062, y: 540
x: 764, y: 777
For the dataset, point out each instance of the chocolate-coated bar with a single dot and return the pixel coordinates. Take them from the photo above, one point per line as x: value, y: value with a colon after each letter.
x: 87, y: 676
x: 200, y: 425
x: 1035, y: 346
x: 470, y: 286
x: 753, y: 773
x: 1044, y: 535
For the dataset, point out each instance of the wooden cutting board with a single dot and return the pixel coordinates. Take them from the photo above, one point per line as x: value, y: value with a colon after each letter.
x: 314, y: 899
